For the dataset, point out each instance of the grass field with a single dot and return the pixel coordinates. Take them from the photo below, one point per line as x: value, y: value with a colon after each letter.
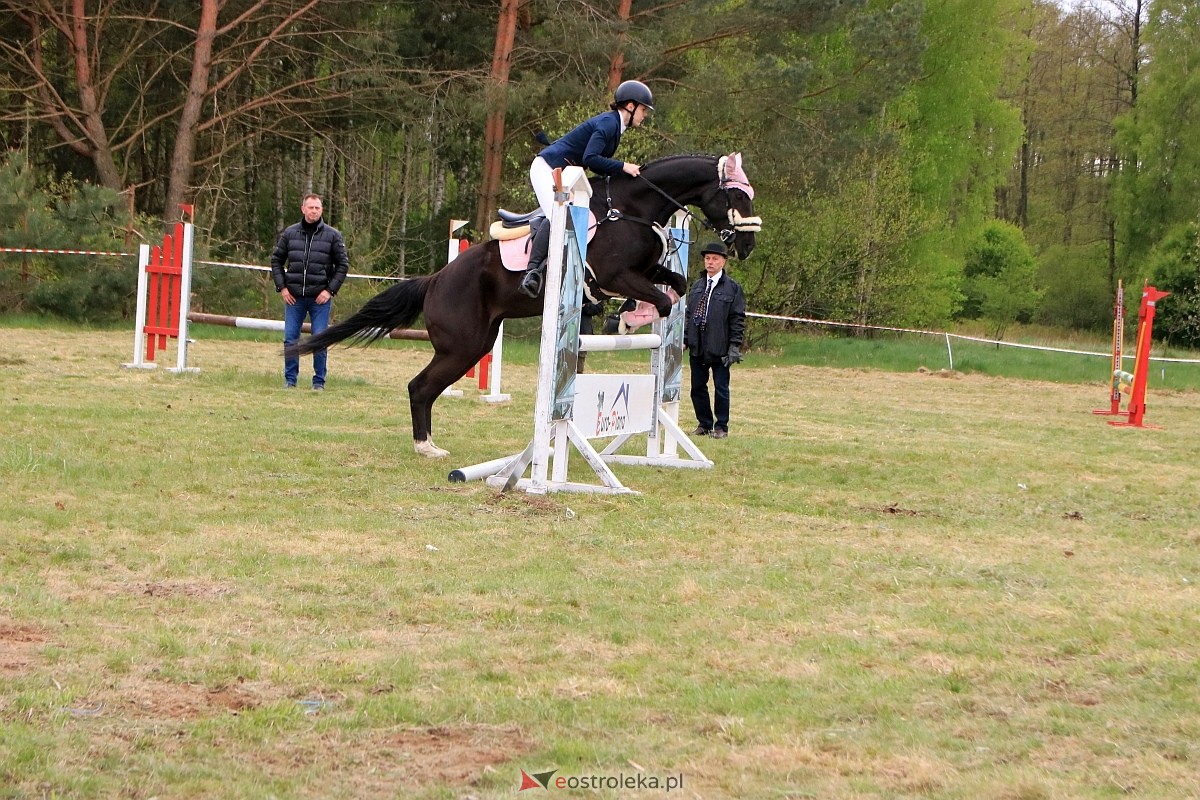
x: 892, y: 584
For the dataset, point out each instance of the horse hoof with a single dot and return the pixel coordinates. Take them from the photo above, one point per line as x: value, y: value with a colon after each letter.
x: 430, y: 450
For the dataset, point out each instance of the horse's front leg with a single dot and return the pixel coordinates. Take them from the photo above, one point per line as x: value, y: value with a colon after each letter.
x: 670, y: 277
x: 661, y: 301
x: 641, y: 286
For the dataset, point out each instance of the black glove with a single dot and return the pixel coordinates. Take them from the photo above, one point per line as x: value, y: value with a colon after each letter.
x: 733, y: 356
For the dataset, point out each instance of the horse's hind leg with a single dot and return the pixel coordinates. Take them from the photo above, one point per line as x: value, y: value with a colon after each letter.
x: 427, y: 386
x: 461, y: 330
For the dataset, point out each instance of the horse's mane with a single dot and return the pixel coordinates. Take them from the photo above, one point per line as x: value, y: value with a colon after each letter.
x: 678, y: 156
x: 681, y: 174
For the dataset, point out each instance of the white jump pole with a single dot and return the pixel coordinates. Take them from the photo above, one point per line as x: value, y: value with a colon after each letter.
x: 494, y: 395
x: 611, y: 344
x: 185, y: 300
x: 480, y: 471
x: 139, y: 331
x: 253, y: 323
x: 496, y: 368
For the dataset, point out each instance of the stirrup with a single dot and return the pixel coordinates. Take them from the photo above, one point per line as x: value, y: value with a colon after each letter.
x: 531, y: 284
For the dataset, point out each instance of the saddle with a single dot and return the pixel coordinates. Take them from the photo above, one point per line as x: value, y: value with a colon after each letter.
x: 512, y: 225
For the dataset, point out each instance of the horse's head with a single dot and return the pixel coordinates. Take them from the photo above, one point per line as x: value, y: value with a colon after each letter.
x: 718, y: 186
x: 729, y: 208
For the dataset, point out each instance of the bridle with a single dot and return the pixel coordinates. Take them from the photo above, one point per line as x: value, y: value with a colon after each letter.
x: 736, y: 222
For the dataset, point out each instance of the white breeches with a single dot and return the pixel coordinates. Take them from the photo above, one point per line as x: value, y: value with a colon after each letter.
x: 541, y: 177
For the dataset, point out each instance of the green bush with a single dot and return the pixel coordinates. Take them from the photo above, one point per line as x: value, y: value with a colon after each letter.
x: 67, y: 215
x: 1174, y: 266
x: 999, y: 274
x: 1076, y: 294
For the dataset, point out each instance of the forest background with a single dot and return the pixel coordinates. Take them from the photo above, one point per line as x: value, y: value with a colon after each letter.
x: 916, y: 162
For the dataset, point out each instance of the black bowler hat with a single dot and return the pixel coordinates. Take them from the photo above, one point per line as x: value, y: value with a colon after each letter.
x: 716, y: 248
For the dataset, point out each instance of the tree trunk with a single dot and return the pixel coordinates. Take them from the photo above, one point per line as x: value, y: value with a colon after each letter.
x: 493, y: 131
x: 280, y: 192
x: 183, y: 157
x: 310, y: 167
x: 405, y: 194
x: 1135, y: 54
x: 616, y: 66
x: 1026, y: 153
x: 100, y: 149
x: 244, y: 226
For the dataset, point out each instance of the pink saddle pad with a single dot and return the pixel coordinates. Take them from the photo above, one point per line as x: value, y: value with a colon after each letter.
x: 514, y: 253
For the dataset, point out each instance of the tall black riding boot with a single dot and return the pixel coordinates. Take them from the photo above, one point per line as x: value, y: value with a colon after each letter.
x: 539, y: 248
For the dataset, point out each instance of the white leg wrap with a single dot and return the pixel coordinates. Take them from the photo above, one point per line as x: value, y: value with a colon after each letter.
x: 430, y: 450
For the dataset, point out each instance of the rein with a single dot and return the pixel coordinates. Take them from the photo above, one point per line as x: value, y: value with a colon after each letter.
x: 679, y: 206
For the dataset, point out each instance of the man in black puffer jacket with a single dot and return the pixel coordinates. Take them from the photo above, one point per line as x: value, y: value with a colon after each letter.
x: 309, y: 265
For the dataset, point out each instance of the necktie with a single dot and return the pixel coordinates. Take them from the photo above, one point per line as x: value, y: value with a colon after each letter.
x: 702, y: 306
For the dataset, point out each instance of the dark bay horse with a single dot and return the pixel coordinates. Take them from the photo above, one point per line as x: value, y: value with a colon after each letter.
x: 466, y: 300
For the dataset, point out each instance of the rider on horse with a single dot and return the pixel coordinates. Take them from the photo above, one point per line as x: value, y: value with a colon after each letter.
x: 590, y: 145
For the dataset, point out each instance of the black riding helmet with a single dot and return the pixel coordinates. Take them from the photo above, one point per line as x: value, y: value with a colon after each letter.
x: 635, y: 91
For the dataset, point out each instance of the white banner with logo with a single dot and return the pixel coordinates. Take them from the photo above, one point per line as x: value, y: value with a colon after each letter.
x: 609, y: 405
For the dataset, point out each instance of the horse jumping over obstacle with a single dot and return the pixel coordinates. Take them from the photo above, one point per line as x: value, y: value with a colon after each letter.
x: 465, y: 302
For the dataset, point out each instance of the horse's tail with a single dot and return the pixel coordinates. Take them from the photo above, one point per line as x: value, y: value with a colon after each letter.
x: 396, y: 307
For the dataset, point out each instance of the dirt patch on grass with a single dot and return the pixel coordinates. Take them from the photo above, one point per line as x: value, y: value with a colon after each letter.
x: 317, y: 762
x: 895, y: 510
x: 521, y: 504
x: 454, y: 755
x: 118, y: 581
x: 372, y: 765
x: 197, y: 589
x: 161, y: 700
x: 939, y: 373
x: 134, y: 700
x: 19, y: 643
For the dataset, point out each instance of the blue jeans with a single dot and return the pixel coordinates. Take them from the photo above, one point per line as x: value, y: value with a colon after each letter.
x: 293, y: 320
x: 700, y: 401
